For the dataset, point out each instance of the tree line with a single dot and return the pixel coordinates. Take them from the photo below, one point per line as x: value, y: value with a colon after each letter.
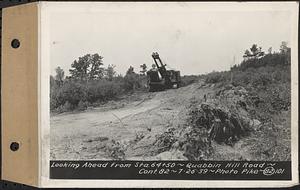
x: 257, y: 68
x: 90, y: 83
x: 257, y: 58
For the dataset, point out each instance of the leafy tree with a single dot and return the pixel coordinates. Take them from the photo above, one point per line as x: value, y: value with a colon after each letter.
x: 247, y: 54
x: 130, y: 71
x: 254, y: 53
x: 284, y: 47
x: 52, y: 81
x: 96, y: 72
x: 79, y: 68
x: 60, y: 75
x: 254, y: 50
x: 72, y: 92
x: 103, y: 90
x: 53, y: 93
x: 110, y: 72
x: 285, y: 50
x: 144, y: 69
x: 87, y: 67
x: 270, y: 50
x: 131, y: 80
x: 260, y: 53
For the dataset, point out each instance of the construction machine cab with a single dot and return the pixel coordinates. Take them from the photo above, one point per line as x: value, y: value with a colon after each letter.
x: 162, y: 78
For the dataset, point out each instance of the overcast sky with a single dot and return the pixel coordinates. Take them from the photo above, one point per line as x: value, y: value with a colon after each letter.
x: 188, y: 37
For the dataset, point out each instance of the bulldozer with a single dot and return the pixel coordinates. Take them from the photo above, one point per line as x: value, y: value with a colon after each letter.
x: 159, y: 78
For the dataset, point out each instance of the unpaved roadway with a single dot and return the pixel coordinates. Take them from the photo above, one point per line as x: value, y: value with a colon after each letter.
x: 83, y: 135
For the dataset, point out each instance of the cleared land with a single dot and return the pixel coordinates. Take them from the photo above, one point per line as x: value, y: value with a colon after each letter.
x: 162, y: 126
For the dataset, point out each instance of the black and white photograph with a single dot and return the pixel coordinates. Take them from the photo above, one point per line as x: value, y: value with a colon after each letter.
x: 150, y: 94
x: 182, y: 92
x: 170, y: 81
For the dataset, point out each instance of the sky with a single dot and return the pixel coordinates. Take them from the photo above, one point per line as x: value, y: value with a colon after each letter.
x: 188, y: 37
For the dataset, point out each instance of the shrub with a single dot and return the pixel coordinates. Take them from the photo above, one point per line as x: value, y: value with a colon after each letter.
x: 165, y: 140
x: 189, y: 79
x: 215, y: 77
x: 72, y: 92
x: 262, y: 76
x: 262, y: 79
x: 134, y: 82
x: 276, y: 59
x: 103, y: 90
x: 80, y: 93
x: 115, y: 150
x: 82, y: 105
x: 196, y: 145
x: 53, y: 99
x: 65, y: 108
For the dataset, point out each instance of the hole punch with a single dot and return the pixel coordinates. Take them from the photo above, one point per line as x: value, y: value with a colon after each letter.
x: 15, y: 43
x: 14, y: 146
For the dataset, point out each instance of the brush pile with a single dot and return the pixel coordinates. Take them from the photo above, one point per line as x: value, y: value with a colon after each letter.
x: 225, y: 115
x: 222, y: 124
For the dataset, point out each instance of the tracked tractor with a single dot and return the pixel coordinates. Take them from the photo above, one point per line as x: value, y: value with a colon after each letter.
x: 159, y: 78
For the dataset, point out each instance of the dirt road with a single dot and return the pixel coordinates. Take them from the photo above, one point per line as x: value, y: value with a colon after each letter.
x: 83, y: 135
